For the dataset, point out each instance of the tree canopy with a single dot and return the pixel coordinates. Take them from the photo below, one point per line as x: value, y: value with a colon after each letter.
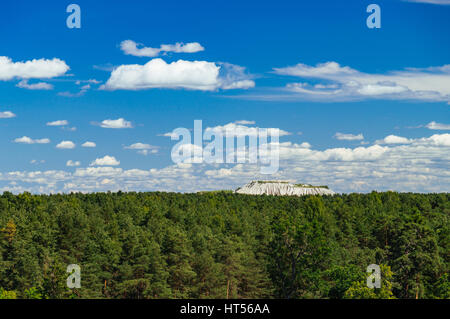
x: 224, y: 245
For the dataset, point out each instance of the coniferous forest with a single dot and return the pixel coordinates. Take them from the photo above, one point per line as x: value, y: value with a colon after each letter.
x: 224, y: 245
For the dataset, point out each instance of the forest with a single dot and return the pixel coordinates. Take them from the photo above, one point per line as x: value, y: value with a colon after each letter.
x: 224, y: 245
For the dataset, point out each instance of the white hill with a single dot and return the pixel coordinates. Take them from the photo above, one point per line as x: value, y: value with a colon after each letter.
x: 282, y: 188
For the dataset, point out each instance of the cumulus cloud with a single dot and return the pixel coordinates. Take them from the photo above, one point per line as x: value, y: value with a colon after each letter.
x: 345, y: 83
x: 130, y: 47
x: 116, y: 124
x: 142, y: 148
x: 437, y: 126
x: 348, y: 137
x: 34, y: 86
x: 66, y: 145
x: 58, y: 123
x: 419, y: 166
x: 193, y: 75
x: 89, y: 144
x: 28, y: 140
x: 234, y: 77
x: 71, y: 163
x: 393, y: 139
x: 234, y: 129
x: 292, y: 151
x: 434, y: 140
x: 7, y: 115
x: 32, y: 69
x: 105, y: 161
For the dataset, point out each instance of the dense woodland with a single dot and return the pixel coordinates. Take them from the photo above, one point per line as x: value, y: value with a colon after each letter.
x: 224, y: 245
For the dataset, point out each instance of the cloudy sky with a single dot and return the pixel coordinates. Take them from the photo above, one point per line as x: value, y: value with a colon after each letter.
x: 92, y: 109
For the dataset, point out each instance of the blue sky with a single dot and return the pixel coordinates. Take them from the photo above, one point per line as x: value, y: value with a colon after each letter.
x: 372, y: 104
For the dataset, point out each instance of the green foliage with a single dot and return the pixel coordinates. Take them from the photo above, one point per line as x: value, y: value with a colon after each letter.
x: 4, y: 294
x: 341, y: 279
x: 359, y: 289
x: 33, y: 293
x: 224, y: 245
x: 443, y: 287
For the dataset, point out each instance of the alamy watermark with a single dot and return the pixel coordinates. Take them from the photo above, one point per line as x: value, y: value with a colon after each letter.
x: 374, y: 20
x: 74, y: 19
x: 374, y: 279
x: 74, y: 279
x: 229, y: 145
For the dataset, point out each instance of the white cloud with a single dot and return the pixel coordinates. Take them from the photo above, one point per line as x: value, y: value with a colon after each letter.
x: 437, y: 126
x: 7, y: 115
x: 303, y: 152
x: 157, y: 73
x: 320, y: 71
x: 58, y: 123
x: 33, y: 69
x: 245, y: 122
x: 130, y: 47
x: 37, y: 162
x: 393, y: 139
x: 98, y: 172
x: 66, y: 145
x: 233, y: 129
x: 116, y: 124
x: 105, y: 161
x: 89, y: 144
x: 236, y: 130
x: 415, y: 167
x: 34, y: 86
x: 434, y: 140
x: 28, y: 140
x: 234, y: 77
x: 90, y: 81
x: 70, y: 94
x: 381, y: 89
x: 71, y: 163
x: 345, y: 83
x: 172, y: 135
x: 188, y: 153
x: 82, y: 91
x: 193, y: 75
x: 348, y: 137
x: 142, y: 148
x: 401, y: 164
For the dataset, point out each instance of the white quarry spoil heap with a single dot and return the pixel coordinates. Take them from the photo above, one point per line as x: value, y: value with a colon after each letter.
x: 282, y: 188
